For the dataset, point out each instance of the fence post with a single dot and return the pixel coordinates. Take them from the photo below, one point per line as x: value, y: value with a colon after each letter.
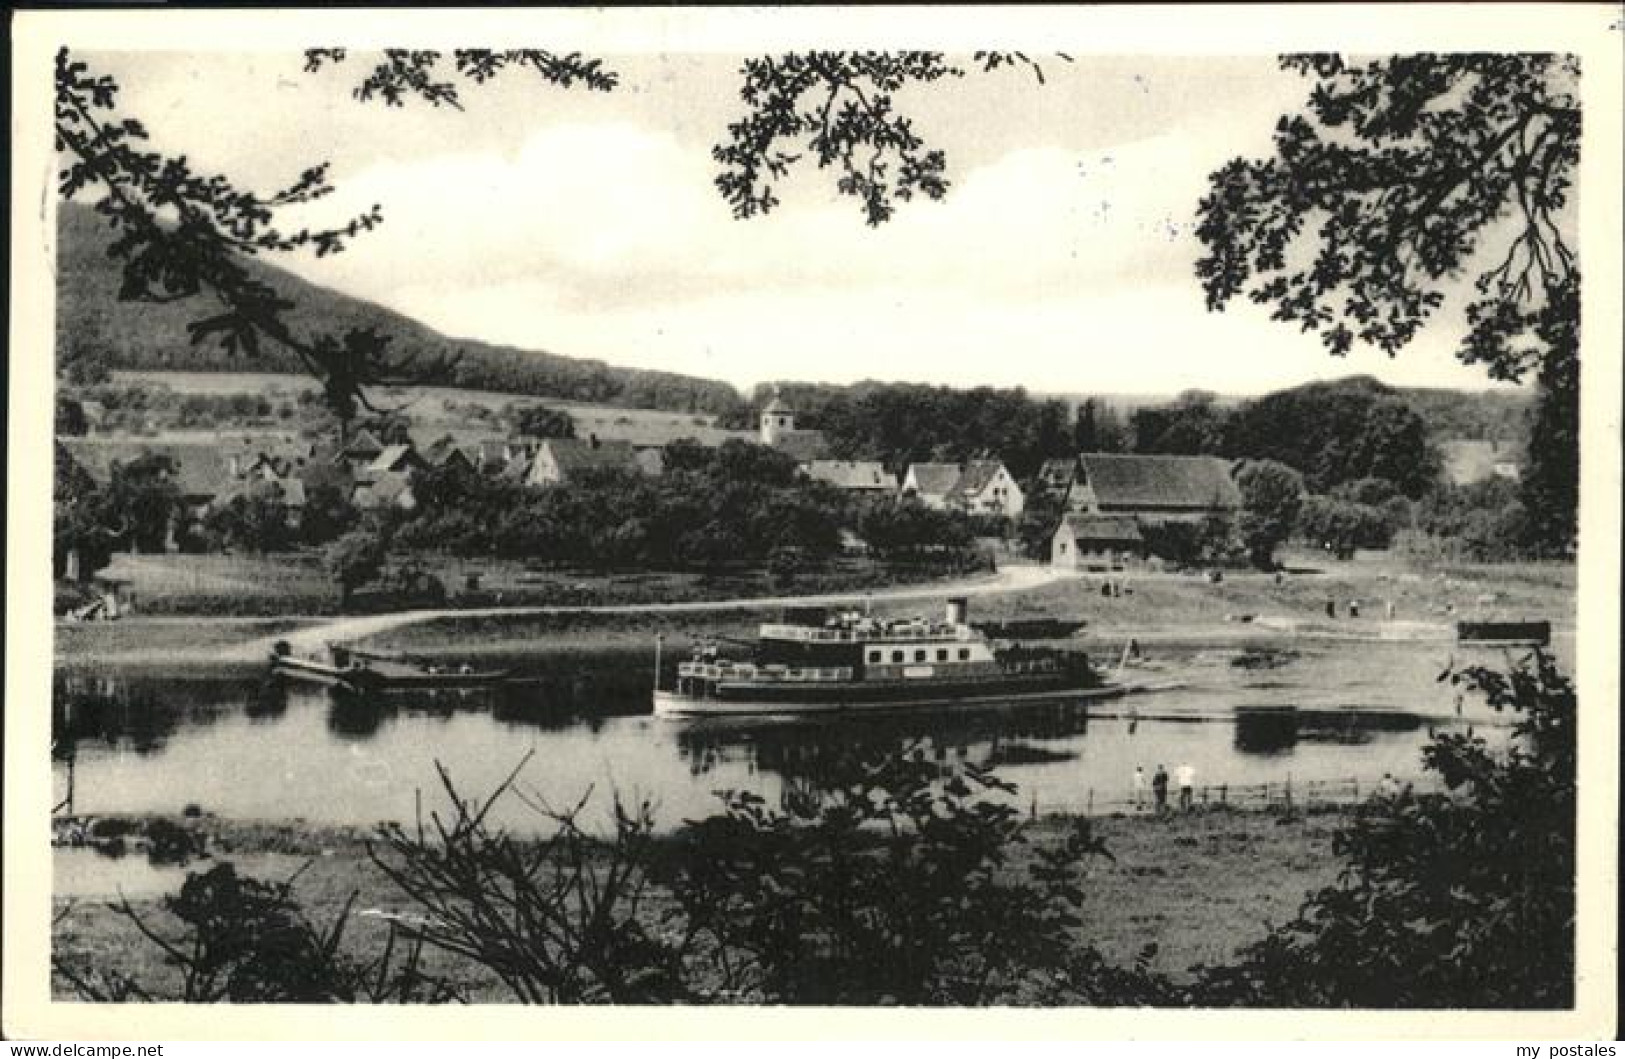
x: 1356, y: 782
x: 1266, y: 794
x: 1289, y: 792
x: 1090, y: 811
x: 1224, y: 790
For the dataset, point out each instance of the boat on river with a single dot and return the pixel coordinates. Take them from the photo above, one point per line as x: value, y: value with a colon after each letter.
x: 814, y: 663
x: 355, y: 669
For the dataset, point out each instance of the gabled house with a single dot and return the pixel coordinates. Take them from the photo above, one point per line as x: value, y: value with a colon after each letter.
x: 857, y: 476
x: 397, y: 459
x: 558, y: 459
x: 1162, y: 488
x: 445, y: 454
x: 985, y: 487
x: 931, y: 483
x: 1092, y: 540
x: 1055, y: 476
x: 363, y: 449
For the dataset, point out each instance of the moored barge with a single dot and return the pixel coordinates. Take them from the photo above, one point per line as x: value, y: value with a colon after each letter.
x: 814, y: 663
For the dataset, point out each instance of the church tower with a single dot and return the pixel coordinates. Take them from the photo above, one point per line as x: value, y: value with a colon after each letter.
x: 777, y: 420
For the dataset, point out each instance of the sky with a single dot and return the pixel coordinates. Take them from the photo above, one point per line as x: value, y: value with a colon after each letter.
x: 586, y: 224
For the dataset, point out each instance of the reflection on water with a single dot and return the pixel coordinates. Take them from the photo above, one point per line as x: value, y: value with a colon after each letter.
x: 250, y: 747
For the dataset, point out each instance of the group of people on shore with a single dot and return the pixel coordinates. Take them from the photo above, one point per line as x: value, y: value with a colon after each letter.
x: 1184, y: 776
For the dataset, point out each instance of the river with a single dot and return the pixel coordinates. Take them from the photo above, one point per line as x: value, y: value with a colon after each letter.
x: 242, y: 746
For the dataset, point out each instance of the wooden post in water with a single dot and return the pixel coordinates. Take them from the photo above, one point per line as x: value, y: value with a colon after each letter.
x: 1224, y: 793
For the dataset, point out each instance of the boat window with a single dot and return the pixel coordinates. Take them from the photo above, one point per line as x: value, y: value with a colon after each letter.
x: 874, y: 656
x: 964, y: 654
x: 897, y: 657
x: 942, y: 654
x: 919, y: 656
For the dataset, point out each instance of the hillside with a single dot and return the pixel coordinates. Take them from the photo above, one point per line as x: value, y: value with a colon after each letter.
x: 94, y: 327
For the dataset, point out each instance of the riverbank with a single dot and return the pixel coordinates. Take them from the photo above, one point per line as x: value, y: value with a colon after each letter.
x: 1164, y: 609
x: 1197, y: 886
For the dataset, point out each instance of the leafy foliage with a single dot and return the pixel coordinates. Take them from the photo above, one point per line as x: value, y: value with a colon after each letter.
x: 355, y: 559
x: 540, y: 421
x: 245, y: 940
x: 403, y: 73
x: 144, y: 494
x: 1401, y: 173
x: 556, y: 919
x: 839, y: 108
x: 257, y: 520
x: 1463, y: 898
x: 181, y: 234
x: 1271, y: 494
x: 889, y: 886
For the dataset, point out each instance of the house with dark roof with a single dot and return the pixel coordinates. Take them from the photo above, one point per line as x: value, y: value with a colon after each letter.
x: 446, y: 454
x: 397, y: 459
x: 986, y: 487
x: 931, y: 483
x: 858, y: 476
x: 1055, y: 476
x: 363, y: 449
x: 557, y: 459
x: 1083, y: 541
x: 1164, y: 488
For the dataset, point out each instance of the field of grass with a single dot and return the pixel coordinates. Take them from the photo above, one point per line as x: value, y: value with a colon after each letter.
x: 469, y: 415
x: 1197, y: 886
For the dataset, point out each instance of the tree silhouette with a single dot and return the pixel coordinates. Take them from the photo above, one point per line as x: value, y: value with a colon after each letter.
x: 1401, y: 174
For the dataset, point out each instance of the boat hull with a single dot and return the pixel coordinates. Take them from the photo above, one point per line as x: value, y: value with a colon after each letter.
x: 376, y: 680
x: 671, y: 704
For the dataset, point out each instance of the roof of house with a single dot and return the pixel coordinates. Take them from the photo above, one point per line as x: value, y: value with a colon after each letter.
x: 853, y: 474
x: 364, y: 442
x: 775, y: 406
x: 934, y: 479
x: 394, y: 457
x: 200, y: 470
x: 803, y: 446
x: 976, y: 476
x: 1194, y: 482
x: 576, y: 454
x: 1057, y: 471
x: 1101, y: 527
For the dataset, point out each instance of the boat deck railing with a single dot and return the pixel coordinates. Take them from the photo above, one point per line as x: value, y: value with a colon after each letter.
x: 912, y: 633
x: 745, y: 671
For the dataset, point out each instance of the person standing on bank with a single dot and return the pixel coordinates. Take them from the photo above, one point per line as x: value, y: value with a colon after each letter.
x: 1139, y: 788
x: 1159, y: 790
x: 1187, y: 783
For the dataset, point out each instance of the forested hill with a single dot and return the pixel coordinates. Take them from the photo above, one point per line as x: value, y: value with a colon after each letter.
x: 95, y: 328
x: 1492, y: 415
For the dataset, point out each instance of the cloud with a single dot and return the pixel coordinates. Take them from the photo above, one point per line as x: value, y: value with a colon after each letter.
x: 1053, y: 268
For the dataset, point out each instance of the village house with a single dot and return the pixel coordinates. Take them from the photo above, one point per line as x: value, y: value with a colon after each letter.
x: 1094, y: 541
x: 397, y: 459
x: 444, y: 453
x: 857, y: 476
x: 1055, y: 476
x: 980, y: 487
x: 931, y: 483
x: 985, y: 487
x: 1160, y: 488
x: 363, y: 449
x: 557, y: 459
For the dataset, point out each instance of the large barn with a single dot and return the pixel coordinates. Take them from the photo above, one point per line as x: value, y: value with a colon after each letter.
x: 1164, y: 488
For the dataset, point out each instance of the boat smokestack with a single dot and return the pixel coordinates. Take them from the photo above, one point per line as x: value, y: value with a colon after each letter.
x: 958, y: 610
